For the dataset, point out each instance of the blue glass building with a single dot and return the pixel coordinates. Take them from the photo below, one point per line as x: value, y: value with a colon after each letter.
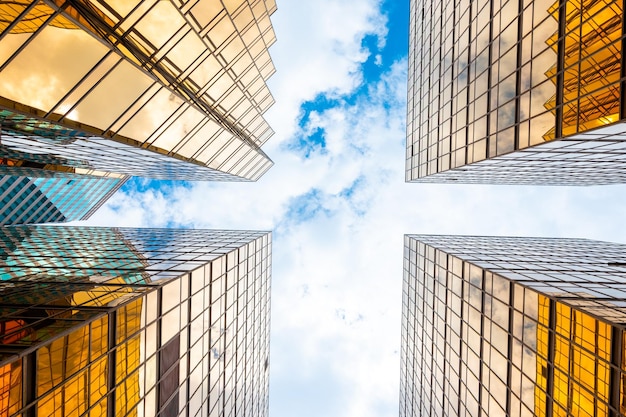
x: 29, y: 196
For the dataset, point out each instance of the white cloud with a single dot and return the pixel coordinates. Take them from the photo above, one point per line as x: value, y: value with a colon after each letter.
x: 318, y: 50
x: 337, y: 271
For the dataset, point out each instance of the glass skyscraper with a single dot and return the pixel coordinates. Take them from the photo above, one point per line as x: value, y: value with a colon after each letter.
x: 133, y: 322
x: 52, y: 197
x: 161, y: 89
x: 511, y: 326
x: 516, y: 92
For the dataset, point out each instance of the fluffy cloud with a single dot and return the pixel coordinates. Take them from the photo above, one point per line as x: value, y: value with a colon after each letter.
x: 319, y: 50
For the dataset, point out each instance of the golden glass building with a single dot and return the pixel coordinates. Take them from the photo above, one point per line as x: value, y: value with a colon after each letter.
x: 159, y: 89
x: 511, y: 326
x: 133, y: 322
x: 517, y: 92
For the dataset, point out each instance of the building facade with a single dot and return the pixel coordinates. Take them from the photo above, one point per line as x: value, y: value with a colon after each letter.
x: 524, y: 92
x: 502, y: 326
x: 53, y: 197
x: 133, y: 322
x: 166, y: 90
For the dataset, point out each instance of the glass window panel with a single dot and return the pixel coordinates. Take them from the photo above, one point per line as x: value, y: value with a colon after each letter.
x: 206, y: 71
x: 541, y: 128
x: 150, y: 339
x: 499, y: 339
x: 184, y: 284
x: 127, y: 358
x: 50, y: 66
x: 197, y: 304
x: 179, y: 129
x: 243, y: 18
x: 236, y: 158
x: 125, y: 83
x: 170, y: 295
x: 220, y: 86
x: 150, y: 403
x: 144, y: 123
x: 129, y: 319
x: 99, y: 409
x: 67, y: 399
x: 11, y: 387
x: 186, y: 51
x: 168, y: 364
x: 205, y: 11
x: 11, y: 43
x: 214, y: 147
x: 232, y: 49
x: 197, y: 329
x: 81, y: 89
x: 98, y: 379
x: 221, y: 31
x: 127, y: 394
x: 160, y: 23
x: 121, y: 7
x: 197, y: 280
x: 240, y: 108
x: 170, y: 325
x: 199, y: 140
x: 62, y: 358
x: 151, y: 373
x: 99, y: 335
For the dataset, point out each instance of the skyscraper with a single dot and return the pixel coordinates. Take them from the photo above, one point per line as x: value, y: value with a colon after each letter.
x: 516, y: 92
x: 167, y: 90
x: 503, y: 326
x: 52, y: 197
x: 139, y: 322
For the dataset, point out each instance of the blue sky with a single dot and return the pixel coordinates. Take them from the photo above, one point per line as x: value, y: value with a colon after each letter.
x: 338, y: 207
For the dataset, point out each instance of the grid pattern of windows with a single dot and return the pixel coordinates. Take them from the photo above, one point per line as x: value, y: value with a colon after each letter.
x: 56, y: 197
x: 497, y: 326
x: 188, y: 81
x: 489, y: 79
x: 145, y: 322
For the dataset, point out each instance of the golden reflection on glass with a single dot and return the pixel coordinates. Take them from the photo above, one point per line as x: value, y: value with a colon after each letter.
x: 11, y: 9
x: 541, y: 378
x: 622, y: 377
x: 39, y: 76
x: 56, y: 363
x: 62, y: 379
x: 127, y: 395
x: 580, y: 358
x: 592, y: 51
x: 10, y: 388
x: 128, y: 357
x: 98, y: 383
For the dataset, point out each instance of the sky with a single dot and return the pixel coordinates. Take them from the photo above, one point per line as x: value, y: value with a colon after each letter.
x: 338, y: 207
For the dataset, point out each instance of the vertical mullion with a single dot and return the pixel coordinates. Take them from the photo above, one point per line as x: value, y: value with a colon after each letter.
x: 518, y: 72
x: 560, y: 67
x: 112, y: 363
x: 622, y: 107
x: 551, y: 355
x: 615, y: 369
